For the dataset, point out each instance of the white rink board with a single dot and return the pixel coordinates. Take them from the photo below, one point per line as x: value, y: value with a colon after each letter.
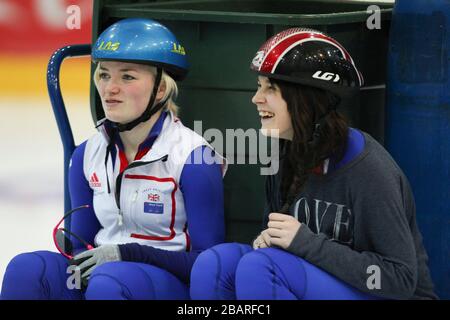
x: 31, y: 173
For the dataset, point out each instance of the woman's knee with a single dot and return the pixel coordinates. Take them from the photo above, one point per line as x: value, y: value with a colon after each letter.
x: 34, y: 264
x: 224, y: 254
x: 219, y: 260
x: 33, y: 275
x: 277, y: 274
x: 256, y: 261
x: 133, y: 281
x: 266, y: 274
x: 212, y: 275
x: 106, y: 282
x: 25, y: 266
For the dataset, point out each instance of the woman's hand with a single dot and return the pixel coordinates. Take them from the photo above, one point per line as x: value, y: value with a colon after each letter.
x: 282, y: 229
x: 262, y: 241
x: 88, y: 260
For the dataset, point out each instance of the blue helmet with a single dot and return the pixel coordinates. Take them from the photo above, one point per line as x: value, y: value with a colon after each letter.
x: 142, y: 41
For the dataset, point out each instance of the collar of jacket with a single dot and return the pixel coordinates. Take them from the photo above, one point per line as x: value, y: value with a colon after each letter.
x: 106, y: 128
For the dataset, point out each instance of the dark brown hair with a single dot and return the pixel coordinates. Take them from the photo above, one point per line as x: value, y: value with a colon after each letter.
x: 307, y: 107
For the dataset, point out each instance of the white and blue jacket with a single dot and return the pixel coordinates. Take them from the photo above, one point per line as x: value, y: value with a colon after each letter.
x: 161, y: 200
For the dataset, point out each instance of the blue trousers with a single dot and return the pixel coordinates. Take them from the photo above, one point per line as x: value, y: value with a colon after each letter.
x: 43, y: 275
x: 235, y: 271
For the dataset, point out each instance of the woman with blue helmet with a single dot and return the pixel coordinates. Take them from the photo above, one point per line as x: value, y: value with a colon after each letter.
x: 153, y: 187
x: 340, y: 217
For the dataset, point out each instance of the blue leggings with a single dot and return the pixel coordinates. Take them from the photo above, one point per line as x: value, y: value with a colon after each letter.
x: 42, y: 275
x: 235, y: 271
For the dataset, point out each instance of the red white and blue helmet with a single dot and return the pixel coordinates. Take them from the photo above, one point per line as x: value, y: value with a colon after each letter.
x: 308, y: 57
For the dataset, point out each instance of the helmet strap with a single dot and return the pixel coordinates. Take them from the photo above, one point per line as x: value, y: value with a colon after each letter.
x: 149, y: 111
x: 315, y: 138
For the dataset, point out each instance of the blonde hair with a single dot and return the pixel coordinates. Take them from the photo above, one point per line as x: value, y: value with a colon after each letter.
x: 170, y: 93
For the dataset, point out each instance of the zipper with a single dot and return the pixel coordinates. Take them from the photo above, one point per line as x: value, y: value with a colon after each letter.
x: 120, y: 218
x: 119, y: 183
